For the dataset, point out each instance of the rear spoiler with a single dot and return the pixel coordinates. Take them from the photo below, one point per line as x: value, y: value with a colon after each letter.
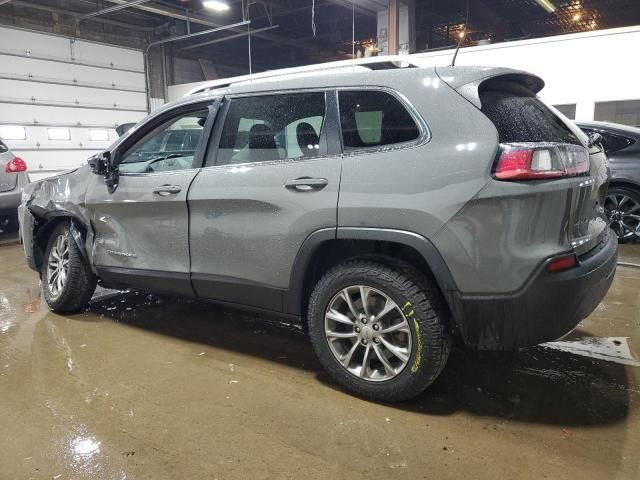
x: 467, y: 80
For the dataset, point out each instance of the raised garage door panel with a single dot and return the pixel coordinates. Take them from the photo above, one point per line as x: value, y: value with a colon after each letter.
x: 22, y: 67
x: 65, y: 159
x: 48, y: 81
x: 20, y: 114
x: 18, y: 91
x: 42, y: 44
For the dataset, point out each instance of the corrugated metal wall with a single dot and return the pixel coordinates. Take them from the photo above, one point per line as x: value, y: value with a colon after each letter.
x: 66, y: 96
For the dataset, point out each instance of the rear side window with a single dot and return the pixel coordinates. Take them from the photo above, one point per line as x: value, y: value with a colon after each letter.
x: 613, y: 143
x: 519, y: 116
x: 610, y: 141
x: 371, y: 118
x: 272, y: 127
x: 3, y: 147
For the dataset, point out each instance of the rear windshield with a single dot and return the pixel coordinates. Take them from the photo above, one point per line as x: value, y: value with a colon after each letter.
x: 3, y: 147
x: 519, y: 116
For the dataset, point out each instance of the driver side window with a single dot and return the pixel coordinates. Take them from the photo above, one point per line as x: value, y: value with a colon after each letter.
x: 170, y: 146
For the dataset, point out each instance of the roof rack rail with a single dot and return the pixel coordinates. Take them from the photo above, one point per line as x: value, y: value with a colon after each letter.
x: 371, y: 63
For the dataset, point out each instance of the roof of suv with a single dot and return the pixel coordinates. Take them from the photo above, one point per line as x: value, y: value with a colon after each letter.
x: 358, y: 72
x: 379, y: 71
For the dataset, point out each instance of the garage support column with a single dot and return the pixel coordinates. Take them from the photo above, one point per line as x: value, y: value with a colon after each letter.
x: 155, y: 76
x: 392, y: 28
x: 396, y: 28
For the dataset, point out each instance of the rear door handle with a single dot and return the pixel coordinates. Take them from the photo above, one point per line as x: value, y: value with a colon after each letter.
x: 306, y: 184
x: 165, y: 190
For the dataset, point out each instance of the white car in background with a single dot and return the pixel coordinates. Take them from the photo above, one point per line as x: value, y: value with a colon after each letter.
x: 13, y: 178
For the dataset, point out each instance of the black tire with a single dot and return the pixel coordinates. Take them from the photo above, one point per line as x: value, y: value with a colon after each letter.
x: 624, y: 235
x: 423, y: 308
x: 80, y: 282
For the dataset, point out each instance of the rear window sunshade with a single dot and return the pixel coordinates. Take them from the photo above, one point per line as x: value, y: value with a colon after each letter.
x: 519, y: 116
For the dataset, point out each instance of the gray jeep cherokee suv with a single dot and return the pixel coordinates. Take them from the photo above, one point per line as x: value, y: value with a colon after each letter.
x: 391, y: 209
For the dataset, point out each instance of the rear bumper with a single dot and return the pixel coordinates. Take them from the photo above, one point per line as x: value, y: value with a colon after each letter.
x: 546, y: 308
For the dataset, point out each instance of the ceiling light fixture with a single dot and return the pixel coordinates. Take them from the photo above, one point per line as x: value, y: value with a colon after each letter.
x: 547, y: 5
x: 216, y: 5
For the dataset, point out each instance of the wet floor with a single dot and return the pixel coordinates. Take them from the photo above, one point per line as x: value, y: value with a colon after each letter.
x: 151, y: 387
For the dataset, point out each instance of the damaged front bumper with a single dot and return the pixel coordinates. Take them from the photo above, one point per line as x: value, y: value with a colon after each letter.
x: 27, y: 223
x: 547, y: 307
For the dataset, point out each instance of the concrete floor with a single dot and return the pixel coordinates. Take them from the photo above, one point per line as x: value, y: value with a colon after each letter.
x: 148, y: 387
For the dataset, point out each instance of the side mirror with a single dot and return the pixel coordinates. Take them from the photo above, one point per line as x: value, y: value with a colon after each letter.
x: 595, y: 139
x: 100, y: 162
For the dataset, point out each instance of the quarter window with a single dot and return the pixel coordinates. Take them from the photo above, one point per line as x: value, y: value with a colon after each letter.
x: 171, y: 146
x: 272, y: 127
x: 610, y: 141
x: 373, y: 119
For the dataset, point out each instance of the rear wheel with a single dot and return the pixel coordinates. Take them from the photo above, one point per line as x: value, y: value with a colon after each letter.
x: 623, y: 209
x: 67, y: 281
x: 378, y: 328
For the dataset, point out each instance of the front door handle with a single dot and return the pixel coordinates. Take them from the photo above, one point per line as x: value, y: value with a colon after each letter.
x: 306, y: 184
x: 165, y: 190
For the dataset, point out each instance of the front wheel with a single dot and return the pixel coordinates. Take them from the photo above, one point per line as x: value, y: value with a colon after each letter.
x: 67, y: 281
x: 378, y: 328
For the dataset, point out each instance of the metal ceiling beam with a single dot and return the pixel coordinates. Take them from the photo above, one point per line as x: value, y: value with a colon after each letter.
x: 366, y: 7
x: 71, y: 13
x: 230, y: 37
x: 115, y: 8
x: 179, y: 15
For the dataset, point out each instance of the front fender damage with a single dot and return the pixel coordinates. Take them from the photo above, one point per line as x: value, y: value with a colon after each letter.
x: 50, y: 201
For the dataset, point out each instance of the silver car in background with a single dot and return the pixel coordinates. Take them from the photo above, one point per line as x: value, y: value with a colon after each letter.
x: 13, y: 178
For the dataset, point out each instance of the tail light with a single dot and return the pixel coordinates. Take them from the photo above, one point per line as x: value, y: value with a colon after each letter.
x: 16, y: 165
x: 535, y: 161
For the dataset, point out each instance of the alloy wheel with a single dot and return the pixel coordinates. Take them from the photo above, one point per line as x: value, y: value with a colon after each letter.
x: 368, y: 333
x: 624, y: 214
x: 58, y: 265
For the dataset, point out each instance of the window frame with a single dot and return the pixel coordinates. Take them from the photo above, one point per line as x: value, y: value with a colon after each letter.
x: 130, y: 141
x: 329, y: 135
x: 423, y: 138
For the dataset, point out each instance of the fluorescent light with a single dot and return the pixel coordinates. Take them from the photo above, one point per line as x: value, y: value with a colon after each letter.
x: 98, y: 134
x: 11, y: 132
x: 547, y: 5
x: 216, y: 5
x: 59, y: 134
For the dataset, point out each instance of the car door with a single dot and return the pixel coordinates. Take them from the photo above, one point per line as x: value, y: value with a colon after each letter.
x: 141, y: 230
x: 270, y: 180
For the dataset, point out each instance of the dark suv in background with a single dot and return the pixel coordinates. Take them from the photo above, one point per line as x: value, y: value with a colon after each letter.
x: 622, y: 145
x: 389, y: 209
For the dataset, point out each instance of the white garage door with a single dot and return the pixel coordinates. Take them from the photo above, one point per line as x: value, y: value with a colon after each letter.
x: 61, y: 99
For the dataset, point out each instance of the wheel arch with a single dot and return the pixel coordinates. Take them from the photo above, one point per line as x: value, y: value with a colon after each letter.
x: 624, y: 183
x: 327, y: 247
x: 47, y: 222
